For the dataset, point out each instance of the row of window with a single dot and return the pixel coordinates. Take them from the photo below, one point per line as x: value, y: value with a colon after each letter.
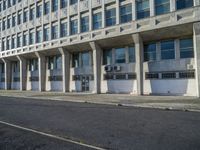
x: 190, y: 74
x: 119, y: 76
x: 4, y: 4
x: 168, y: 49
x: 143, y: 11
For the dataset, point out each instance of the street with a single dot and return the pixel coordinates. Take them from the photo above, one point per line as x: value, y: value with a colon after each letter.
x: 101, y: 126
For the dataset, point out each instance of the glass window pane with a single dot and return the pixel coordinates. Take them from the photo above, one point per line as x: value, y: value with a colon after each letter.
x: 131, y: 52
x: 85, y: 59
x: 167, y: 50
x: 107, y: 57
x: 120, y: 56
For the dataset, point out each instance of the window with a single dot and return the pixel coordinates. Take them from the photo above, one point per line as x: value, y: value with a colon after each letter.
x: 120, y: 56
x: 186, y: 48
x: 85, y: 57
x: 54, y: 31
x: 162, y: 6
x: 181, y: 4
x: 131, y: 53
x: 74, y: 27
x: 8, y: 23
x: 73, y: 2
x: 32, y: 13
x: 54, y: 5
x: 39, y: 11
x: 15, y: 66
x: 97, y: 21
x: 151, y: 75
x: 46, y: 8
x: 150, y: 52
x: 33, y: 64
x: 31, y: 37
x: 55, y: 62
x: 25, y: 15
x: 19, y: 21
x: 107, y: 57
x: 13, y: 21
x: 63, y: 29
x: 14, y: 42
x: 85, y: 24
x: 75, y: 60
x: 143, y: 9
x: 19, y: 40
x: 63, y: 3
x: 125, y: 13
x: 46, y: 33
x: 110, y: 17
x: 167, y: 50
x: 2, y: 68
x: 39, y: 36
x: 25, y: 39
x: 169, y: 75
x: 187, y: 75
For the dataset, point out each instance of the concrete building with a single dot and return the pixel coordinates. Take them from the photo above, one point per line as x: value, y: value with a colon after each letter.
x: 101, y: 46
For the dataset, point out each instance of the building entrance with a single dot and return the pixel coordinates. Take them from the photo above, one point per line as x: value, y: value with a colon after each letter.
x: 85, y: 83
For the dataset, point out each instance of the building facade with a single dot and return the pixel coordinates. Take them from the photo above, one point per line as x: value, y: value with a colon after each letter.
x: 101, y: 46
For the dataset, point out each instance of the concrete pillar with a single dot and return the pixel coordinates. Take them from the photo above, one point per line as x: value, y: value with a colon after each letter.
x: 7, y: 67
x: 65, y: 69
x: 41, y: 70
x: 97, y: 53
x: 196, y: 34
x: 139, y: 62
x: 172, y: 5
x: 117, y: 12
x: 196, y: 2
x: 23, y: 71
x: 152, y: 7
x: 134, y: 17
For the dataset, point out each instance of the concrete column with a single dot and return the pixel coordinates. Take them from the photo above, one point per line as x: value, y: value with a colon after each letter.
x: 97, y: 53
x: 172, y: 5
x: 117, y: 12
x: 152, y: 7
x: 7, y: 66
x: 139, y: 62
x: 103, y: 14
x: 196, y: 2
x: 65, y: 69
x: 134, y: 17
x: 196, y: 34
x: 23, y: 71
x: 41, y: 70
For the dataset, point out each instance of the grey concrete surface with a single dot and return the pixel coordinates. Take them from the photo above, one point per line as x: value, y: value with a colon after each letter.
x: 107, y: 126
x: 162, y: 102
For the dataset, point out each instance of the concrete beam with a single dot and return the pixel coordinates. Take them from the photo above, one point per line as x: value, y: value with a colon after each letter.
x: 139, y: 62
x: 23, y: 71
x: 196, y: 38
x: 7, y: 67
x: 41, y: 70
x: 97, y: 53
x: 65, y: 69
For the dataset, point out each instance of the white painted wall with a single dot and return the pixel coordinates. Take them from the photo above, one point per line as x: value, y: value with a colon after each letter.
x: 170, y: 87
x: 32, y: 85
x: 53, y: 85
x: 119, y: 86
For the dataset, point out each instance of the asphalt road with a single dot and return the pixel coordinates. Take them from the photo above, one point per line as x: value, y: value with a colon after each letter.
x: 109, y: 127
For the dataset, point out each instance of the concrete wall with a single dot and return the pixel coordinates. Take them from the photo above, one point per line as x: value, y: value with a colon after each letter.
x: 119, y: 86
x: 53, y: 85
x: 32, y: 85
x: 76, y: 85
x: 169, y: 86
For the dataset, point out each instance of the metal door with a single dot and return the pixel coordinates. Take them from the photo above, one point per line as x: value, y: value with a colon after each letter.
x: 85, y: 83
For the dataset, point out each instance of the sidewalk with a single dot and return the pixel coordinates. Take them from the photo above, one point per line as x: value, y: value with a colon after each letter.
x: 162, y: 102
